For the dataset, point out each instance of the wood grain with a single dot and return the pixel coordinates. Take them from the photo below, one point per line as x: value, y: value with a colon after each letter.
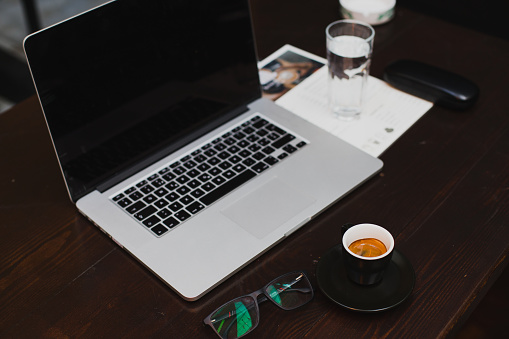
x: 443, y: 193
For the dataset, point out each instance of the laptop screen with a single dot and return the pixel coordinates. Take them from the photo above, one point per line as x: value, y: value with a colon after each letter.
x: 135, y: 78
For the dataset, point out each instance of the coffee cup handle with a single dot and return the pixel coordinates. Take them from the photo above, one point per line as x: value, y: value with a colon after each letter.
x: 346, y: 226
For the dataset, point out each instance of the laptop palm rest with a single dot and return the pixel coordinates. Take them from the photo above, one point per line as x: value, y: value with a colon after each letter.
x: 266, y: 208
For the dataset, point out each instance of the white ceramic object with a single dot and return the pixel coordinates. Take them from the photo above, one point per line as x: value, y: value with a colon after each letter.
x: 373, y: 12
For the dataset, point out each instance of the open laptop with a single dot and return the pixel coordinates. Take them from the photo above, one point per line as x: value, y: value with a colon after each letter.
x: 164, y: 142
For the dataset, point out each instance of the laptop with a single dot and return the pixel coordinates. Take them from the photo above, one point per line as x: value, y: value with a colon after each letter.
x: 155, y: 112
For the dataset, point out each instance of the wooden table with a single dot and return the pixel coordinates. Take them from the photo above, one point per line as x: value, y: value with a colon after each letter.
x: 443, y: 193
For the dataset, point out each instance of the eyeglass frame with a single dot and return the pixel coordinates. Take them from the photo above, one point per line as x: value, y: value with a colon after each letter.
x: 254, y: 295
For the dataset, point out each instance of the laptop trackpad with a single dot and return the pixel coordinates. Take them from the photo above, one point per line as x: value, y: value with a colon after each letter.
x: 266, y: 208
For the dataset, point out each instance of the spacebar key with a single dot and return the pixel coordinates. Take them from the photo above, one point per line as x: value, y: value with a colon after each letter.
x: 226, y: 188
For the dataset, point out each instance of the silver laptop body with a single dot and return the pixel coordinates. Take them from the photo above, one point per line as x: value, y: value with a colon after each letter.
x: 104, y: 87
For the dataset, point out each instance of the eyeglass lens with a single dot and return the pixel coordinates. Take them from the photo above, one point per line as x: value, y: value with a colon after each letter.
x: 240, y: 316
x: 236, y: 318
x: 290, y: 291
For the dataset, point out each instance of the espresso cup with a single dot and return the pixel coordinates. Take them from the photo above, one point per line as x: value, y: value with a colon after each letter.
x: 362, y: 268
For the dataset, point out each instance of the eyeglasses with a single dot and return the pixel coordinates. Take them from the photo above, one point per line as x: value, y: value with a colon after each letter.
x: 240, y: 316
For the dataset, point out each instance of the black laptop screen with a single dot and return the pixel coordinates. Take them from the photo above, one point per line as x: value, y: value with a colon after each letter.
x: 138, y: 77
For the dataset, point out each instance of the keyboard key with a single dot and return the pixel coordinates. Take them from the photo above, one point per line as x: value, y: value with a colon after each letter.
x: 159, y: 229
x: 149, y: 198
x: 260, y: 123
x: 273, y: 136
x: 276, y: 129
x: 227, y: 187
x: 130, y: 190
x: 145, y: 213
x: 183, y: 190
x: 135, y: 196
x: 229, y: 174
x: 262, y: 132
x: 282, y: 156
x: 183, y: 179
x: 254, y: 147
x: 195, y: 207
x: 235, y: 159
x: 158, y: 182
x: 147, y: 189
x: 141, y: 183
x: 271, y: 160
x: 268, y: 150
x: 220, y: 147
x: 253, y: 138
x: 118, y: 197
x: 164, y: 170
x: 239, y: 136
x: 233, y: 149
x: 161, y: 192
x: 239, y: 168
x: 124, y: 202
x: 152, y: 221
x: 136, y: 207
x: 193, y: 183
x: 204, y: 177
x: 244, y: 153
x: 258, y: 156
x: 197, y: 193
x: 186, y: 200
x: 171, y: 222
x: 172, y: 185
x: 260, y: 167
x: 193, y: 173
x: 172, y: 196
x: 208, y: 187
x: 179, y: 170
x: 153, y: 177
x: 225, y: 165
x: 218, y: 180
x: 223, y: 155
x: 230, y: 141
x: 289, y: 149
x: 215, y: 171
x: 248, y: 130
x: 176, y: 206
x: 182, y: 215
x: 204, y: 167
x: 200, y: 158
x: 249, y: 162
x: 161, y: 203
x: 213, y: 161
x: 169, y: 176
x: 210, y: 152
x: 164, y: 213
x: 283, y: 141
x: 243, y: 143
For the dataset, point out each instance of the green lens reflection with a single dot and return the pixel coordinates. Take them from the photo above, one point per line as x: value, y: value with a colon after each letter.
x: 234, y: 319
x: 244, y: 322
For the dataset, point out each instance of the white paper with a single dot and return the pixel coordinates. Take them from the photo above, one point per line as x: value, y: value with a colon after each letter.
x: 387, y: 115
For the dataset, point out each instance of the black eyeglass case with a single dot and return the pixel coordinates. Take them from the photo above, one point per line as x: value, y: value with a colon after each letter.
x: 439, y: 86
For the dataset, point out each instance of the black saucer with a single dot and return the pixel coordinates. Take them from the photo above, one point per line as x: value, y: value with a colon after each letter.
x: 396, y: 286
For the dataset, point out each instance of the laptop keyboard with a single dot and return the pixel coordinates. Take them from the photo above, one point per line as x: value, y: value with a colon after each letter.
x: 168, y: 197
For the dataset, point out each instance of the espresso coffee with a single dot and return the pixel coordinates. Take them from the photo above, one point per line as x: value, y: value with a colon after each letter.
x: 368, y: 247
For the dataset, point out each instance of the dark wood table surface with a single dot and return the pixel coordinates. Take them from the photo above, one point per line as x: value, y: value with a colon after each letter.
x: 443, y: 193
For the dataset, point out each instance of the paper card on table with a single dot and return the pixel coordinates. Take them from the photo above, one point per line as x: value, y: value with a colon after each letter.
x: 388, y: 113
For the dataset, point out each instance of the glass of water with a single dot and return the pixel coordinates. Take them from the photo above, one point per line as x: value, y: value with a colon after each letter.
x: 349, y: 49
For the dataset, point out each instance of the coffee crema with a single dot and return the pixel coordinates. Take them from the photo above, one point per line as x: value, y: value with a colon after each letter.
x: 368, y: 247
